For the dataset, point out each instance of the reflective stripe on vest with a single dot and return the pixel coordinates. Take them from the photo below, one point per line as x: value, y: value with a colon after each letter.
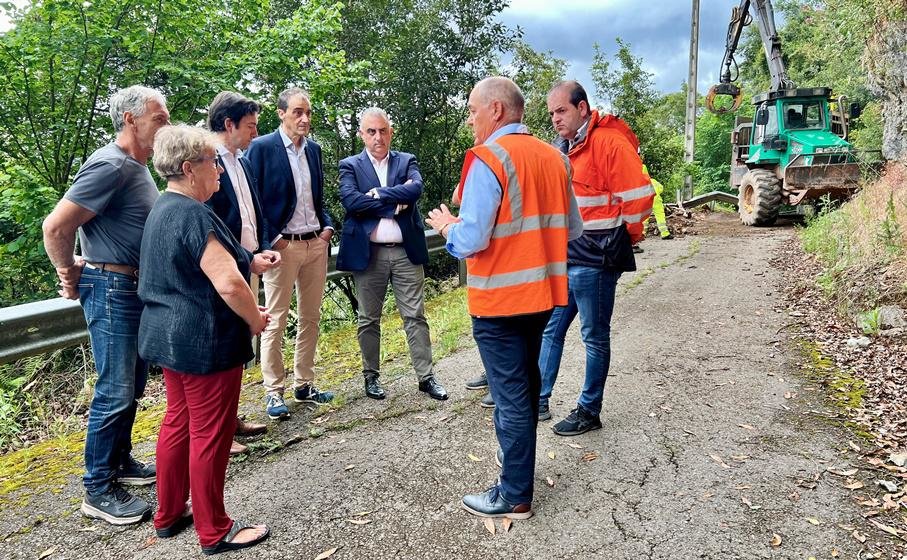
x: 514, y: 195
x: 508, y: 279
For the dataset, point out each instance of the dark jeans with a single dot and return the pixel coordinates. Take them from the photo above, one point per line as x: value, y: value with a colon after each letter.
x: 112, y: 310
x: 590, y: 293
x: 509, y: 347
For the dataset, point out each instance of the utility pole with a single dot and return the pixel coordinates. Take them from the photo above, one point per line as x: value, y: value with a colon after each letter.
x: 689, y: 129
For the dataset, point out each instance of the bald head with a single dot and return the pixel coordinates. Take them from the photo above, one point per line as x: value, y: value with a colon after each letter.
x: 494, y: 102
x: 504, y: 90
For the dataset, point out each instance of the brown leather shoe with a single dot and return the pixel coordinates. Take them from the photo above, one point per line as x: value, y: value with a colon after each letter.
x: 244, y: 428
x: 237, y: 448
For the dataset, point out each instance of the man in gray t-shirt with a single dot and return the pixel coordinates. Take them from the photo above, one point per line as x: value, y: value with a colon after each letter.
x: 108, y: 204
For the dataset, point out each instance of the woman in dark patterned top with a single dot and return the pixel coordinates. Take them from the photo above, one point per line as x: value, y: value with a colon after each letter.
x: 197, y: 324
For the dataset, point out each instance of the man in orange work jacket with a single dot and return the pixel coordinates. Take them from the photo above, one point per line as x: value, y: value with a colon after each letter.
x: 517, y: 213
x: 615, y: 198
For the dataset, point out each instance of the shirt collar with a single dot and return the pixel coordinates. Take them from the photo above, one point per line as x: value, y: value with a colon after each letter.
x: 222, y: 151
x: 512, y: 128
x: 287, y: 143
x: 376, y: 162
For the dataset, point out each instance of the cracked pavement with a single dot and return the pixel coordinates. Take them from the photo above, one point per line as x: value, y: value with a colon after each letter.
x: 701, y: 454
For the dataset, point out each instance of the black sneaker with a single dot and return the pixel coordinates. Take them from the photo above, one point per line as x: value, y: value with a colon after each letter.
x: 638, y: 249
x: 309, y: 394
x: 116, y: 506
x: 477, y: 383
x: 487, y: 401
x: 544, y: 412
x: 577, y: 422
x: 136, y: 473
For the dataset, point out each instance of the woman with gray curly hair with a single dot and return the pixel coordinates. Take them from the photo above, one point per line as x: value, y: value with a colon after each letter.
x: 197, y: 324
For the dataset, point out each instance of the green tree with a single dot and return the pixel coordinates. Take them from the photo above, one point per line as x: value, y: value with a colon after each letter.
x: 535, y: 72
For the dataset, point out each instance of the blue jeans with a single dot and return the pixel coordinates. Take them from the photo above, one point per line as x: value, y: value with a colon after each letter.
x: 590, y: 292
x: 112, y: 310
x: 509, y: 347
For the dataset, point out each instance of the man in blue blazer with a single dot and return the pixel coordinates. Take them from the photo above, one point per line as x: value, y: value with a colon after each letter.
x: 383, y: 241
x: 234, y: 119
x: 290, y: 180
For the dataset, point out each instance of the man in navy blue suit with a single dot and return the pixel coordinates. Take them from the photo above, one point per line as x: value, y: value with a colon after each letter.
x: 234, y: 119
x: 290, y: 180
x: 383, y: 241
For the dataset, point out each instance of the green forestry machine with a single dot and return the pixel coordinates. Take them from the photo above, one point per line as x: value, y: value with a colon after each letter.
x: 795, y: 150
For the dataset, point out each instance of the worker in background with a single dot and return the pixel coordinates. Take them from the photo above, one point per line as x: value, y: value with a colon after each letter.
x: 658, y: 207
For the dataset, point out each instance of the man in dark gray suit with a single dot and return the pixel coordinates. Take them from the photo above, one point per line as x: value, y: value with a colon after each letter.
x: 383, y: 241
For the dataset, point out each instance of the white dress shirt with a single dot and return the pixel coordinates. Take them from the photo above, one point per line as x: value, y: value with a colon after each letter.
x: 304, y: 218
x: 387, y: 230
x: 249, y: 232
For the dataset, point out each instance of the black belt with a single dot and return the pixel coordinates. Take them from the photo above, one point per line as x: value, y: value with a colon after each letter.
x: 385, y: 244
x: 299, y: 236
x: 126, y: 269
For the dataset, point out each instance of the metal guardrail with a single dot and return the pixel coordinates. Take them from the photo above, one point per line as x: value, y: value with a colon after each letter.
x: 44, y: 326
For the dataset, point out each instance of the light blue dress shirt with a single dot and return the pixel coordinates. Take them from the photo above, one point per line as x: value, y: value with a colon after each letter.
x: 481, y: 198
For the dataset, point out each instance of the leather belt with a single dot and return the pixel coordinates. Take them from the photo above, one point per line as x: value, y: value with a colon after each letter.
x: 126, y: 269
x: 299, y: 236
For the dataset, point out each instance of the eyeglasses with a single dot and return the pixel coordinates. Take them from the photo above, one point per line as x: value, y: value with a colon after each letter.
x: 212, y: 159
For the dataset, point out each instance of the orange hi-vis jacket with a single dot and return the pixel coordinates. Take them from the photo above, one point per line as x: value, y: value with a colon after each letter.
x: 524, y: 268
x: 608, y: 180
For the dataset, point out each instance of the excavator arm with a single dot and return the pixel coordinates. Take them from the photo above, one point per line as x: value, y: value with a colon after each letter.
x: 741, y: 16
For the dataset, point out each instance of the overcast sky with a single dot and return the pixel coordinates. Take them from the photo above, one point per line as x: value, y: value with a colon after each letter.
x: 658, y: 31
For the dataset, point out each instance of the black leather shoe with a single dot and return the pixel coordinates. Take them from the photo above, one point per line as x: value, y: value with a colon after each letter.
x: 373, y: 388
x: 434, y: 389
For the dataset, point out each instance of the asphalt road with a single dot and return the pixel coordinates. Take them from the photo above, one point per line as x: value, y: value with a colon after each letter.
x: 712, y: 446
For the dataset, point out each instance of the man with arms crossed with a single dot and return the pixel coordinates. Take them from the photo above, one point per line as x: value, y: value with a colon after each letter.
x: 513, y: 231
x: 614, y: 198
x: 108, y: 203
x: 287, y: 168
x: 383, y: 241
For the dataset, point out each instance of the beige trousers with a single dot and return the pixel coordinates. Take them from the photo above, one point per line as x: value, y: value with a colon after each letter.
x: 304, y: 264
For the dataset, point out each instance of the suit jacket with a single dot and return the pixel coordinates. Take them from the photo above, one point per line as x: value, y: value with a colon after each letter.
x: 267, y: 158
x: 226, y: 206
x: 357, y: 177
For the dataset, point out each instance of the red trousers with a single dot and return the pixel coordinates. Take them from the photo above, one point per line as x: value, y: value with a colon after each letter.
x: 193, y: 449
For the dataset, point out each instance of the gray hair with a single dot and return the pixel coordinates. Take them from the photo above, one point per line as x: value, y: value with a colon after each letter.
x: 283, y: 100
x: 174, y: 144
x: 132, y: 100
x: 374, y: 112
x: 505, y: 90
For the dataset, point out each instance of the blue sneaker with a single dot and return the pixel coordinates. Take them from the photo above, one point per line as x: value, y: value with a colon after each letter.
x: 309, y: 394
x: 276, y: 408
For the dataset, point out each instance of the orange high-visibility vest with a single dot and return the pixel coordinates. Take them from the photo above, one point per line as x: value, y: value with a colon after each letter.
x: 524, y: 268
x: 608, y: 180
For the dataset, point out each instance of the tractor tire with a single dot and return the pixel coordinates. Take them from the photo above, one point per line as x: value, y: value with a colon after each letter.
x: 760, y: 198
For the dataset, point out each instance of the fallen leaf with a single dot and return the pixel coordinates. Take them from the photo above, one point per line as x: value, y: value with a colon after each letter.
x: 349, y: 467
x: 747, y: 427
x: 550, y: 482
x: 473, y: 457
x: 359, y: 521
x: 776, y: 540
x: 859, y: 536
x: 489, y: 526
x: 813, y: 520
x: 361, y: 514
x: 551, y: 455
x: 843, y: 472
x: 575, y: 445
x: 420, y: 417
x: 327, y: 553
x: 749, y: 504
x: 887, y: 528
x: 742, y: 487
x: 589, y: 456
x: 854, y: 485
x: 835, y: 553
x: 853, y: 446
x: 506, y: 523
x: 720, y: 461
x: 47, y: 553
